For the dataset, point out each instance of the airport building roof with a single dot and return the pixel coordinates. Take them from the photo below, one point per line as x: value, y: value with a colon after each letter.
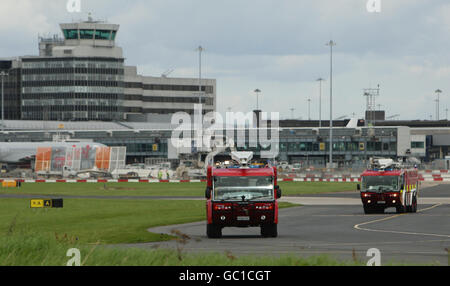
x: 30, y: 125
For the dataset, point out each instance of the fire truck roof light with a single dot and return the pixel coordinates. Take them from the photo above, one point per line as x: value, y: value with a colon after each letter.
x: 383, y: 164
x: 243, y: 158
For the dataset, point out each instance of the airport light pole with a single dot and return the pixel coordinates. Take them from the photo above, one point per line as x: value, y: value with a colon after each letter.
x: 3, y: 74
x: 200, y: 50
x: 320, y: 101
x: 331, y: 44
x: 257, y: 91
x: 309, y: 109
x: 438, y: 92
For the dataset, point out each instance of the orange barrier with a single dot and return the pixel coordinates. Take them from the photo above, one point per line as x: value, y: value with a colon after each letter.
x: 43, y: 159
x: 102, y: 158
x: 10, y: 184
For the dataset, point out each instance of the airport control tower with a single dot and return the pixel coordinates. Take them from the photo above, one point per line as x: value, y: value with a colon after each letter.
x: 90, y: 38
x: 76, y: 78
x: 82, y: 76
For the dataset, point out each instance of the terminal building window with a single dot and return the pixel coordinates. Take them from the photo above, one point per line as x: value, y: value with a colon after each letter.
x: 71, y: 34
x: 102, y: 35
x: 420, y: 145
x: 337, y: 146
x: 193, y: 88
x: 373, y: 146
x: 87, y: 34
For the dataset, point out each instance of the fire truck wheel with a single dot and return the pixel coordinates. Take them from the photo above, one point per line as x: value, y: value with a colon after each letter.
x: 414, y: 205
x: 269, y: 230
x: 408, y: 209
x: 368, y: 210
x: 213, y: 231
x: 400, y: 209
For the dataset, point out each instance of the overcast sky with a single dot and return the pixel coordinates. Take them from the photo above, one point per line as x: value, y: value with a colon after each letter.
x: 277, y: 46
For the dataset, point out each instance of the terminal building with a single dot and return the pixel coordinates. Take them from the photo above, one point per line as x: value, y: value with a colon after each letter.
x: 308, y: 146
x: 84, y: 77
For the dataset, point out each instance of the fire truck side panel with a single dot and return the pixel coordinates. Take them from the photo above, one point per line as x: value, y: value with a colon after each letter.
x: 276, y: 212
x: 209, y: 176
x: 209, y: 211
x: 411, y: 188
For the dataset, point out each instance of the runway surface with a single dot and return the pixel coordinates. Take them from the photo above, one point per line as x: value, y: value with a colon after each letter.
x: 339, y: 230
x: 332, y: 224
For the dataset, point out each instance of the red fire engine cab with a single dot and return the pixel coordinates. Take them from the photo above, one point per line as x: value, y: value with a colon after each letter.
x: 242, y: 196
x: 387, y: 184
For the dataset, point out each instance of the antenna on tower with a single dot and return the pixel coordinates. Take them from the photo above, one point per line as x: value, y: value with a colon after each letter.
x: 371, y: 94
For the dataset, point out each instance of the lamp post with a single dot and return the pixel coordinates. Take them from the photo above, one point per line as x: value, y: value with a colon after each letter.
x: 320, y: 101
x: 438, y: 92
x: 309, y: 109
x: 3, y: 74
x: 331, y: 44
x: 200, y: 50
x: 257, y: 91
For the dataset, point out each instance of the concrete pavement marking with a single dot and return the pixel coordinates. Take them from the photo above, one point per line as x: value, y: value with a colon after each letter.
x: 380, y: 243
x: 358, y: 226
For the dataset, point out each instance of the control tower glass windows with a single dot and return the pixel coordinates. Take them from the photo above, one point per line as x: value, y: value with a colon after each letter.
x: 87, y: 34
x: 113, y: 37
x: 71, y: 34
x: 102, y: 35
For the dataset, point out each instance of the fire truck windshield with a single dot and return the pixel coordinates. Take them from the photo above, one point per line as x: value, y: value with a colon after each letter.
x: 380, y: 183
x: 243, y: 188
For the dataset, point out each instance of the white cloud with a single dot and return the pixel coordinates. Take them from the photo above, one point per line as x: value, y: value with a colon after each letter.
x: 30, y: 17
x: 277, y: 46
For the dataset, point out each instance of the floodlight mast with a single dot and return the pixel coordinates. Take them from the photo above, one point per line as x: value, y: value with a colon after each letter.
x: 257, y: 91
x: 320, y: 101
x: 309, y: 108
x: 331, y: 44
x: 200, y: 50
x: 438, y: 92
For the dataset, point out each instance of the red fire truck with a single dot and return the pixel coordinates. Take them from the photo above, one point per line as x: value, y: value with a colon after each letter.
x: 242, y: 196
x: 387, y: 184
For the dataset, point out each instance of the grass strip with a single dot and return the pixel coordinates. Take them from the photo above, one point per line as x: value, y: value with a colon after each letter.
x: 163, y: 189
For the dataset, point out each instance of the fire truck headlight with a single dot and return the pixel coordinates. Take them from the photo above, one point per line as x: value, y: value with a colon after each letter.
x: 223, y: 217
x: 369, y: 201
x: 263, y: 217
x: 264, y: 206
x: 393, y: 201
